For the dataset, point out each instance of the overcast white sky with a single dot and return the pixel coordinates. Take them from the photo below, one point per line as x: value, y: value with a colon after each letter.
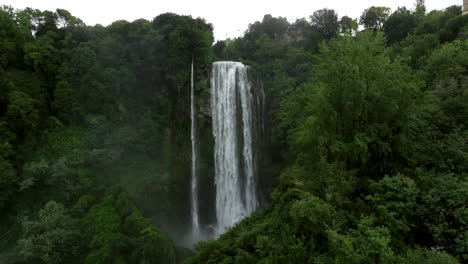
x: 229, y: 18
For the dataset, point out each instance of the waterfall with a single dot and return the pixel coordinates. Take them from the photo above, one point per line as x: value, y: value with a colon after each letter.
x: 233, y: 102
x: 194, y: 178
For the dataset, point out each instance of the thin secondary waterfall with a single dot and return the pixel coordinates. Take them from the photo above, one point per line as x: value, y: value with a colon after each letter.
x: 233, y: 103
x: 194, y: 182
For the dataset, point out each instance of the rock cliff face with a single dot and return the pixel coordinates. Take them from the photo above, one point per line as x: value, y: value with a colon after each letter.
x: 206, y: 190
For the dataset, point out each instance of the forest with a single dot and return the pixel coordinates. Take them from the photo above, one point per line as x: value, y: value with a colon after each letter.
x: 364, y: 157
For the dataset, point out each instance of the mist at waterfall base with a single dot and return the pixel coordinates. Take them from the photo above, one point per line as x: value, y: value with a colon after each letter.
x: 237, y: 109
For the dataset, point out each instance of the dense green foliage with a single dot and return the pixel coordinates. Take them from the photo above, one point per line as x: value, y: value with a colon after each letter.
x: 365, y: 158
x: 370, y: 132
x: 84, y: 110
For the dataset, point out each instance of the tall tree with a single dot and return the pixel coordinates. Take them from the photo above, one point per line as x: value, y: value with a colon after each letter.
x: 399, y: 25
x: 374, y: 17
x: 326, y: 22
x: 420, y: 7
x: 348, y: 25
x: 359, y: 106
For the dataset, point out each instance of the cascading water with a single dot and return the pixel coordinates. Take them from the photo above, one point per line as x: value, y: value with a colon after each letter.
x: 234, y: 103
x: 194, y: 180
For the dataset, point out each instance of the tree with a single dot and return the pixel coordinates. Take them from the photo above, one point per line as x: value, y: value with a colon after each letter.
x: 359, y: 106
x: 430, y: 256
x: 441, y: 209
x: 348, y: 25
x: 420, y: 7
x: 8, y: 179
x: 22, y: 114
x: 326, y: 22
x: 273, y: 27
x: 454, y: 10
x: 417, y: 48
x: 374, y: 17
x: 367, y: 243
x: 399, y: 25
x: 52, y: 238
x: 446, y: 74
x: 46, y: 22
x: 65, y: 19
